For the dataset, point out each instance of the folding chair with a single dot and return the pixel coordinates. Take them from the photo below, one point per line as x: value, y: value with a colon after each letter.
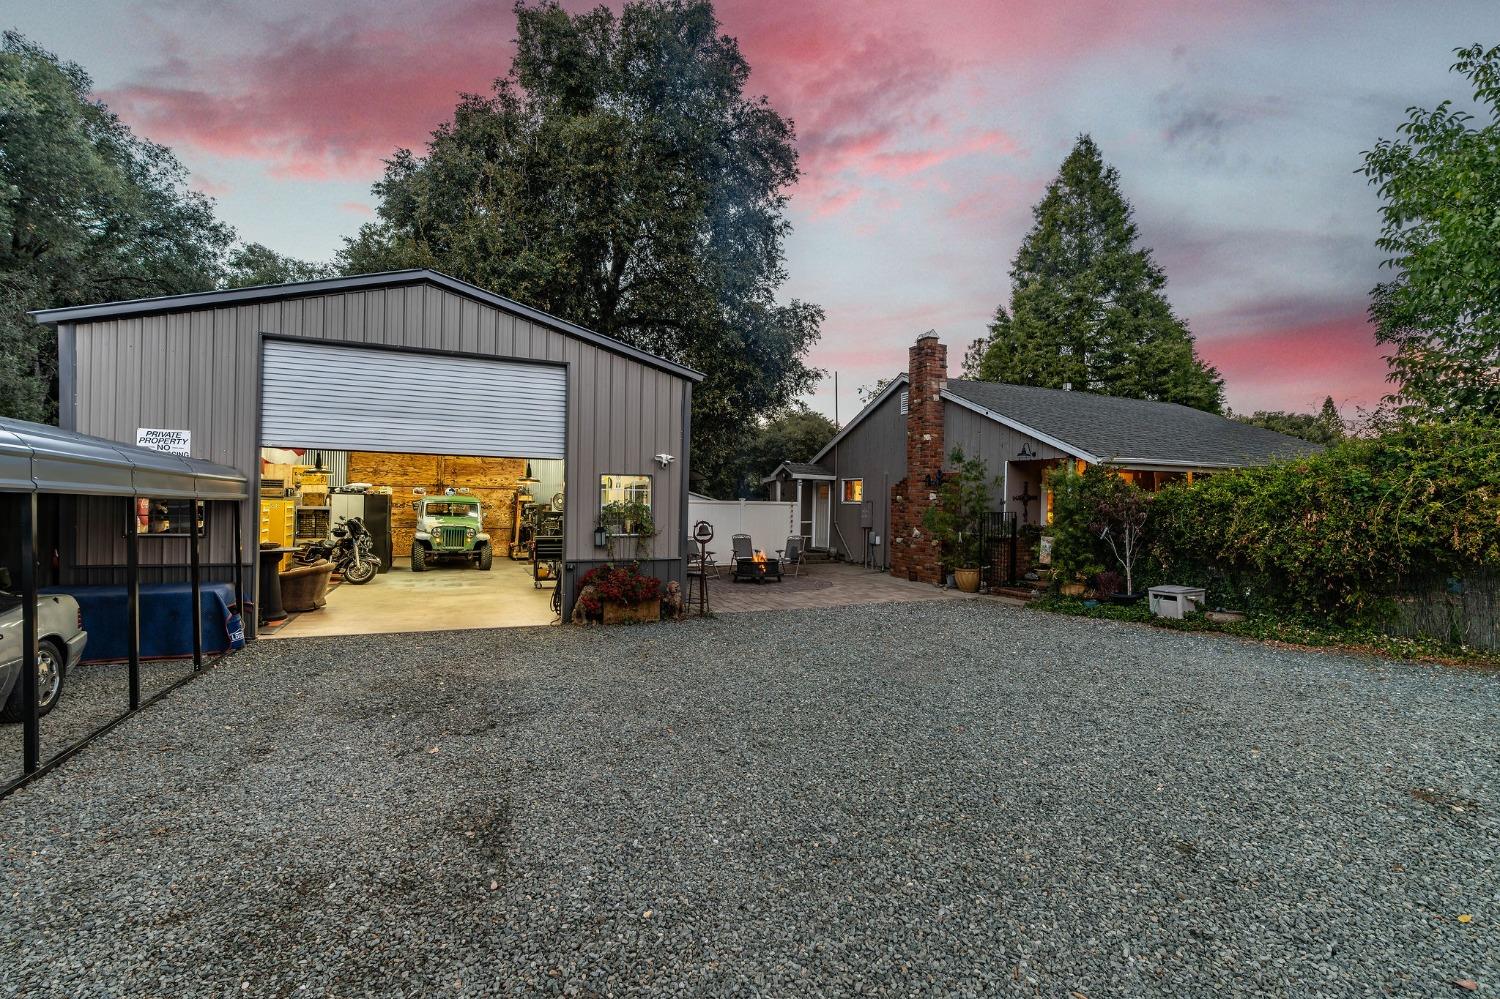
x: 794, y: 555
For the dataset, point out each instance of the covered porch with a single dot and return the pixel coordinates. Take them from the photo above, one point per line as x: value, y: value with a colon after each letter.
x: 811, y: 488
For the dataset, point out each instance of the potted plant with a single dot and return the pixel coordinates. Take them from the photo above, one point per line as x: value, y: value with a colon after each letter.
x: 956, y: 520
x: 628, y: 522
x: 620, y: 594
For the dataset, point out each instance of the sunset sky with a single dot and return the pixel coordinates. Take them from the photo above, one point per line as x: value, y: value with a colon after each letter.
x: 927, y: 131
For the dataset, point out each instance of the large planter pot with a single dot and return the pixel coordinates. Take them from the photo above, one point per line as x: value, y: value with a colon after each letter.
x: 642, y: 613
x: 1126, y: 599
x: 967, y: 580
x: 1072, y: 589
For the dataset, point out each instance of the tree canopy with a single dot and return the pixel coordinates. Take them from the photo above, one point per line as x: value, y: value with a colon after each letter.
x: 1440, y: 311
x: 252, y: 264
x: 89, y: 212
x: 1088, y: 308
x: 619, y: 177
x: 794, y: 434
x: 1324, y: 427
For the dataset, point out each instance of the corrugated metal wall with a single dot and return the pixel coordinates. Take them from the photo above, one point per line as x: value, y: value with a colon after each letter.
x: 200, y: 371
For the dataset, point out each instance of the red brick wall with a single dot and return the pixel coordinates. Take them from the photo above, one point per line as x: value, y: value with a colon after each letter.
x: 914, y: 554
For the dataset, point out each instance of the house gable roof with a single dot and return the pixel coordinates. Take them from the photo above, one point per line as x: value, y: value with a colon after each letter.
x: 899, y: 382
x: 800, y: 470
x: 359, y: 282
x: 1108, y: 429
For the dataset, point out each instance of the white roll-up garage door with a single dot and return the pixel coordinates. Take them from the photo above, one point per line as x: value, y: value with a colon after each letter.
x: 315, y: 395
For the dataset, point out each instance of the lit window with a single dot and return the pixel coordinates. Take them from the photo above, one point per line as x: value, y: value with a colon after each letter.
x: 854, y: 490
x: 621, y: 497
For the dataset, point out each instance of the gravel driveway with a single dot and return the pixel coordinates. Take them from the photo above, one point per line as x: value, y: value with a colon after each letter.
x: 945, y: 798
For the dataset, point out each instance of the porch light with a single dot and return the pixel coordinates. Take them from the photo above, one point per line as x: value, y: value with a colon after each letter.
x: 1026, y: 451
x: 528, y: 479
x: 601, y: 537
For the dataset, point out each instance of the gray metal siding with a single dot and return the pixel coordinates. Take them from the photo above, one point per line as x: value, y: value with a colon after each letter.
x: 351, y: 398
x: 875, y: 450
x: 201, y: 371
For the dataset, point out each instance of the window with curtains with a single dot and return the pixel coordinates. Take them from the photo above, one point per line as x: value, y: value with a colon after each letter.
x: 854, y: 490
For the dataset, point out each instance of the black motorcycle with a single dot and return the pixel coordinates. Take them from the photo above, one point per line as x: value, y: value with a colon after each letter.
x: 351, y: 550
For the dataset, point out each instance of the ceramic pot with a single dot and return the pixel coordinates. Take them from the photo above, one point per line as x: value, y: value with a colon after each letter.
x: 967, y: 579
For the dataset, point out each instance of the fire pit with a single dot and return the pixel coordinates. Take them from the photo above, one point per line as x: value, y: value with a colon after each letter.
x: 757, y: 569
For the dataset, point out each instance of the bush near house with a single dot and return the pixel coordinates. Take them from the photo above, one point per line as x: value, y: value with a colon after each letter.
x: 1332, y: 536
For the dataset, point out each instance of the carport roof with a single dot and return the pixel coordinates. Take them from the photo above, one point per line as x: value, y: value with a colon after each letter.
x: 35, y: 458
x: 358, y: 282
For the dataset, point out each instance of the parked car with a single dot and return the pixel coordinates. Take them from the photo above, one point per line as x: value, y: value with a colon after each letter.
x: 450, y: 527
x: 60, y: 642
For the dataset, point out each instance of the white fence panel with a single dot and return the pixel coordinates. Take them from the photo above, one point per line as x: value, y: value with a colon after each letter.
x: 768, y: 522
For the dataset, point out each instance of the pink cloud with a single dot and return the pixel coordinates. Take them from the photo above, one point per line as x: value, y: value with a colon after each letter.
x: 1295, y: 366
x: 323, y: 100
x: 357, y: 208
x: 319, y: 94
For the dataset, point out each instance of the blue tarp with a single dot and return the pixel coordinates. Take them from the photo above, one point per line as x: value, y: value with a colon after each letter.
x: 166, y: 628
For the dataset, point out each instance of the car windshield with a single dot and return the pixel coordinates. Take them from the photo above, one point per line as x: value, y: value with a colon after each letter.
x: 452, y: 510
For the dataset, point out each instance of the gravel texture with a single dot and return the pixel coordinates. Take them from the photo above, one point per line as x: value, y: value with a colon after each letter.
x: 93, y: 695
x: 947, y: 798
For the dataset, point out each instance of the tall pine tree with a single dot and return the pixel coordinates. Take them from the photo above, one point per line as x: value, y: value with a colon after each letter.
x: 1087, y: 307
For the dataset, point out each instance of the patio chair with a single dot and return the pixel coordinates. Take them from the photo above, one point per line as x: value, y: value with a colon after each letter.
x: 743, y: 547
x: 794, y: 555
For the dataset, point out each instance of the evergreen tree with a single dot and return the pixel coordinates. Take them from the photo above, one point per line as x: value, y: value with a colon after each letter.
x: 1322, y: 427
x: 1087, y: 306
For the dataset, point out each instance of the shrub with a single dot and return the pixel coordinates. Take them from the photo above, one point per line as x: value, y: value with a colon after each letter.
x: 1337, y: 533
x: 1098, y: 519
x: 622, y: 584
x: 955, y: 520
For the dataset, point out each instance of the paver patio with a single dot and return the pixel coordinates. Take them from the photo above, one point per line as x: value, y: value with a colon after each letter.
x: 948, y: 797
x: 827, y: 584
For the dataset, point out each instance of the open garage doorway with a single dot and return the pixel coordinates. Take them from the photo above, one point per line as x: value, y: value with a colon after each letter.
x: 446, y: 469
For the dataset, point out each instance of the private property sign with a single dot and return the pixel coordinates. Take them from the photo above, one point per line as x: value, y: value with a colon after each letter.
x: 170, y: 441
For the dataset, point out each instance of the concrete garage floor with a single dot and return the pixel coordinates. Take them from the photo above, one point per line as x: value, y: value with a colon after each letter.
x: 447, y: 597
x: 944, y: 798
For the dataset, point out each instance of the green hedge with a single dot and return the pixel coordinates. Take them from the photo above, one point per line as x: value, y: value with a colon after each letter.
x: 1338, y: 533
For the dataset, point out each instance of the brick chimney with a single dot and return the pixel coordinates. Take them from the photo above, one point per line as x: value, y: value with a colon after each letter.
x: 913, y: 553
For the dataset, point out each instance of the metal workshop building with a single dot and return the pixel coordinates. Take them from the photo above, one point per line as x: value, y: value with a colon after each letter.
x: 406, y: 361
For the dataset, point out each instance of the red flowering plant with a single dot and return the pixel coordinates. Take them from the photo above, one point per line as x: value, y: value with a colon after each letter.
x: 620, y: 584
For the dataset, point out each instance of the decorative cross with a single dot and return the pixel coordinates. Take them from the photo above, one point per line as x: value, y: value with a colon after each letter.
x: 1026, y: 498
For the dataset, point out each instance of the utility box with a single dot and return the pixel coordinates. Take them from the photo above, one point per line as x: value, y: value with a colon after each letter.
x: 1176, y: 601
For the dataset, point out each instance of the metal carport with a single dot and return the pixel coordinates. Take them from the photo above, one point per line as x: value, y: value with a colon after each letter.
x: 38, y: 460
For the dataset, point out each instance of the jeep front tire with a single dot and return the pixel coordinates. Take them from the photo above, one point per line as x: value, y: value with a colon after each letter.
x: 486, y: 557
x: 418, y: 557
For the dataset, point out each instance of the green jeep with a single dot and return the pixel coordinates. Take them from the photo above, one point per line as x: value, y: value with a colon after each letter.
x: 450, y: 527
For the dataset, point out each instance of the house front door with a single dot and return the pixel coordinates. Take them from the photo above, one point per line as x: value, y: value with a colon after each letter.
x: 822, y: 514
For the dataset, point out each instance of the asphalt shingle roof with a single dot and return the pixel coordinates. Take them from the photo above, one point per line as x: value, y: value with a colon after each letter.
x: 1114, y: 429
x: 805, y: 468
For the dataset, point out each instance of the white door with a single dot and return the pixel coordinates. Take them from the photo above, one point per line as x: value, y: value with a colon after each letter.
x: 822, y: 513
x: 350, y: 398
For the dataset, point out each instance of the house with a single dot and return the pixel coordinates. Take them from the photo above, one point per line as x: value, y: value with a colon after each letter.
x: 411, y: 381
x: 863, y: 495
